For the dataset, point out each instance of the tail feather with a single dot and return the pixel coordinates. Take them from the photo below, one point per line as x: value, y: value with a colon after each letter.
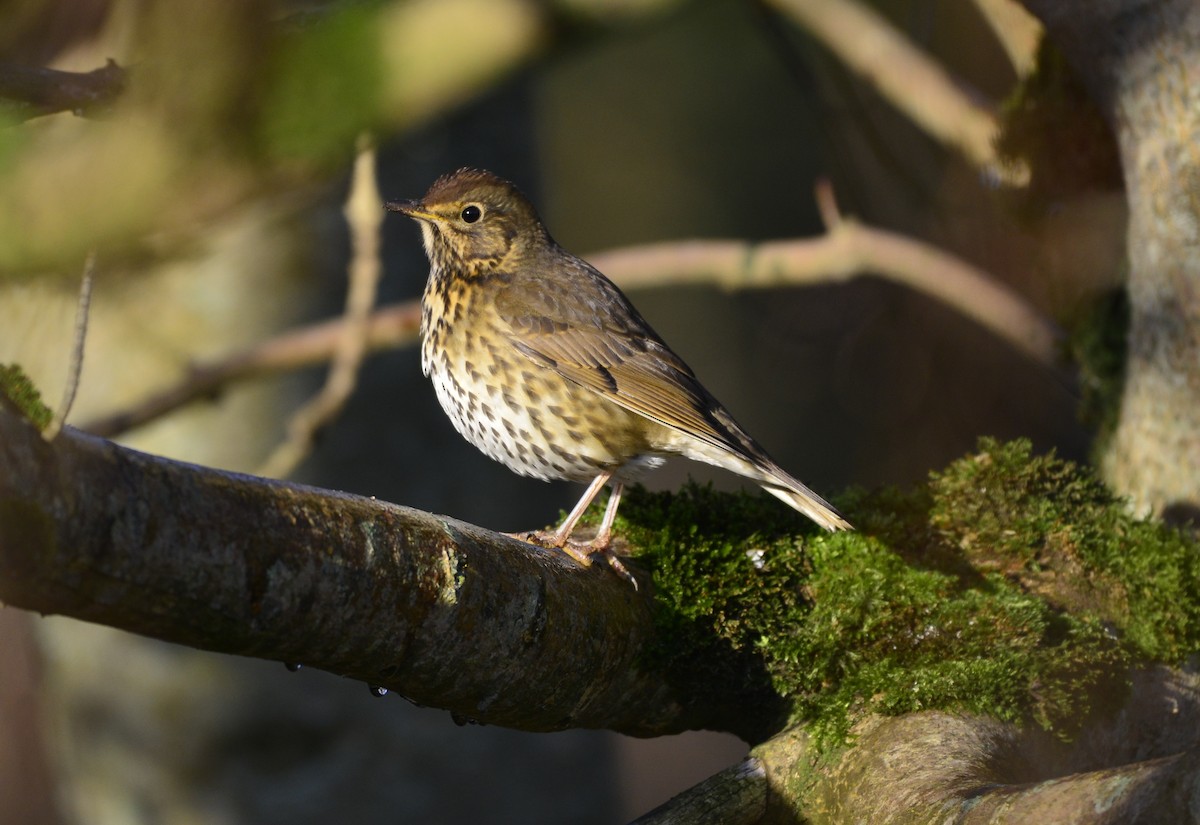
x: 810, y: 504
x: 750, y: 460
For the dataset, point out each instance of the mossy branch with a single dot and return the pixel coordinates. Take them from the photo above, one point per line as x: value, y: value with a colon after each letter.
x: 444, y: 613
x: 1141, y: 766
x: 1012, y: 592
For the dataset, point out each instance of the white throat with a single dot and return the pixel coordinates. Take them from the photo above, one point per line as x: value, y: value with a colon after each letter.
x: 427, y: 237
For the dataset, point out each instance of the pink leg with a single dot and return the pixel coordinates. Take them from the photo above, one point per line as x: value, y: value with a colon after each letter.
x: 604, y: 534
x: 559, y: 537
x: 582, y: 553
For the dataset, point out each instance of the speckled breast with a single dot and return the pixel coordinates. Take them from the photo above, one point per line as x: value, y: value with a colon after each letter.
x: 520, y: 413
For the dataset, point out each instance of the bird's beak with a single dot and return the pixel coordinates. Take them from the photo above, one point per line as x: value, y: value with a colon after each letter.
x: 411, y: 208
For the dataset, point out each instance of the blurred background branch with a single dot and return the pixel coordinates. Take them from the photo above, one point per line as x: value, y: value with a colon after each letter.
x: 1018, y: 31
x: 918, y: 85
x: 34, y: 91
x: 293, y: 107
x: 364, y: 214
x: 848, y: 250
x: 386, y: 328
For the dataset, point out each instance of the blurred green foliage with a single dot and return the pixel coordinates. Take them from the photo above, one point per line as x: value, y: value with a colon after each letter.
x: 325, y: 87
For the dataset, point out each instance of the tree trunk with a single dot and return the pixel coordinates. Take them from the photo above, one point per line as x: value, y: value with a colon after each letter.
x: 1141, y: 63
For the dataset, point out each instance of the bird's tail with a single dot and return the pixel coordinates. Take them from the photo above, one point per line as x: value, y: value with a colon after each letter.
x: 741, y: 454
x: 796, y: 495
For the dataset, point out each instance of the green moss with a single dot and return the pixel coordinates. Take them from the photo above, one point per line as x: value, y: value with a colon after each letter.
x: 1056, y: 530
x: 1011, y: 585
x: 18, y: 393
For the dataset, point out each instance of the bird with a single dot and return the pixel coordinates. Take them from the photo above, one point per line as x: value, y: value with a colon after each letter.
x: 543, y: 363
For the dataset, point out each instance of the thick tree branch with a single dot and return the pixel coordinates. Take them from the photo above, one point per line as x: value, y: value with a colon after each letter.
x: 444, y: 613
x: 1142, y: 764
x: 937, y: 767
x: 1141, y: 64
x: 735, y: 796
x: 495, y: 630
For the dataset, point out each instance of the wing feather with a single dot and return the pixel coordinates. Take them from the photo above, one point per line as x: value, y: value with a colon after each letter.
x: 587, y: 331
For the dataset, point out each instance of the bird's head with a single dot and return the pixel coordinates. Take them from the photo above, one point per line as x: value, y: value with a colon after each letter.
x: 474, y: 222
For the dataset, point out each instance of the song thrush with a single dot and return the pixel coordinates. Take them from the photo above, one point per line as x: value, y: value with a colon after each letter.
x: 543, y: 364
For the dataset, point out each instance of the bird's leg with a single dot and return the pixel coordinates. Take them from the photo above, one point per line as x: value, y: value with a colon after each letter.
x: 604, y: 535
x: 582, y: 551
x: 560, y: 536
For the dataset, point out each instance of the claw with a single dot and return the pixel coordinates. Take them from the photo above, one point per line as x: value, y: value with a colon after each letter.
x: 582, y: 552
x: 619, y: 568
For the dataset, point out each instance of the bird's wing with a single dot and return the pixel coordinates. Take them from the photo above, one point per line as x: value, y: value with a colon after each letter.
x: 583, y: 327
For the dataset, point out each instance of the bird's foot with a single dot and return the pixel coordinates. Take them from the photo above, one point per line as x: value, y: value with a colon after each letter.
x: 583, y: 552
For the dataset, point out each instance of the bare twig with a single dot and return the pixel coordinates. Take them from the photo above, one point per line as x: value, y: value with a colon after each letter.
x: 389, y: 327
x: 1018, y: 31
x: 364, y: 215
x: 76, y: 363
x: 28, y: 92
x: 847, y: 251
x: 1138, y: 62
x: 443, y: 613
x: 869, y: 45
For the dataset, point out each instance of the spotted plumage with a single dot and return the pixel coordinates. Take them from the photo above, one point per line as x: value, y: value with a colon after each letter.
x: 544, y: 365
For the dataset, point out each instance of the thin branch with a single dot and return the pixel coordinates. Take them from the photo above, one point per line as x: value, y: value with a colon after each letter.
x: 27, y: 92
x: 847, y: 251
x: 1017, y: 31
x: 444, y: 613
x: 364, y: 215
x: 389, y: 327
x: 75, y: 366
x: 916, y: 84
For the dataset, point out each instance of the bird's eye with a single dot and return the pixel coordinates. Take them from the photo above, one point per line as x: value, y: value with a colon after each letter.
x: 471, y: 213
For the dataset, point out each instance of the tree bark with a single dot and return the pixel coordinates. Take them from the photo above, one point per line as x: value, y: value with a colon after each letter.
x: 503, y: 632
x: 1141, y: 63
x: 444, y: 613
x: 1139, y: 765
